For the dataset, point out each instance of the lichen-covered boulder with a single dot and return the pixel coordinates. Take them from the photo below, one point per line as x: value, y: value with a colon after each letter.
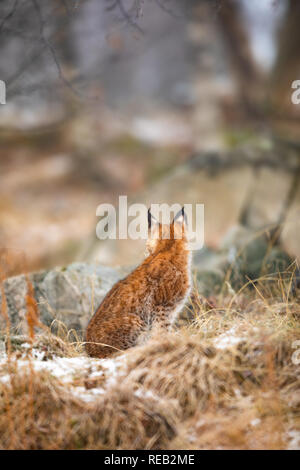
x: 69, y: 294
x: 250, y: 255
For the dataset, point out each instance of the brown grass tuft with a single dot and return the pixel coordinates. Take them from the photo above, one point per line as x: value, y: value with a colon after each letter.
x: 197, y: 374
x: 120, y: 419
x: 228, y: 380
x: 180, y: 367
x: 136, y: 419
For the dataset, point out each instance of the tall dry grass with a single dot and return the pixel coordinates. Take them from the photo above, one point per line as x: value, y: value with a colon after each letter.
x: 44, y: 415
x: 227, y: 380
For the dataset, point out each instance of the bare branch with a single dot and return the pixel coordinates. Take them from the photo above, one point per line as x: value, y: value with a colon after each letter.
x: 52, y: 51
x: 163, y: 5
x: 11, y: 80
x: 19, y: 32
x: 9, y: 15
x: 127, y: 14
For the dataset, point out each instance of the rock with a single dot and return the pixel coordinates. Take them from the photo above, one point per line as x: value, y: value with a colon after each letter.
x: 275, y: 261
x: 291, y: 228
x: 296, y: 283
x: 251, y: 255
x: 69, y: 294
x: 268, y: 194
x: 209, y: 282
x: 244, y: 254
x: 208, y: 259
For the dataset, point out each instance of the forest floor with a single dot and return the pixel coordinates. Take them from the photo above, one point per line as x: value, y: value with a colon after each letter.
x: 227, y: 380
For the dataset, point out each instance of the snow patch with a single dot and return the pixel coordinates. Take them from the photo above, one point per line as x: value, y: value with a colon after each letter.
x: 72, y: 371
x: 227, y: 339
x: 294, y: 440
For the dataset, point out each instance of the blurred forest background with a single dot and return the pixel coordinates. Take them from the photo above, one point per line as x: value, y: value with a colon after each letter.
x: 162, y: 100
x: 186, y: 101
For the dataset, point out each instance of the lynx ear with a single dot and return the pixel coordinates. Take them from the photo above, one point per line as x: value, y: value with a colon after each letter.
x: 180, y: 217
x: 151, y: 219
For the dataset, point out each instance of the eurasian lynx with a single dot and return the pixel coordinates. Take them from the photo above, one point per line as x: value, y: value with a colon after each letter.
x: 150, y: 296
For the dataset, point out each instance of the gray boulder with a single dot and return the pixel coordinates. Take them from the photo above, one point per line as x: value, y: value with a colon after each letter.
x: 69, y: 294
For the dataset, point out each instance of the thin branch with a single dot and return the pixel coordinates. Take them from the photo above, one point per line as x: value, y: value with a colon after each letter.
x: 24, y: 66
x: 127, y: 16
x: 169, y: 11
x: 29, y: 61
x: 9, y: 15
x: 112, y: 6
x: 52, y: 51
x: 21, y: 33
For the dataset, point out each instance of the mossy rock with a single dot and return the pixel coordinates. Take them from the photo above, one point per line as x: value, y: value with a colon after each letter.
x: 69, y: 295
x: 276, y: 261
x: 209, y: 282
x: 255, y: 261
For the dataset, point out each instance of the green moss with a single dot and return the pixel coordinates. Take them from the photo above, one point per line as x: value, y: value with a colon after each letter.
x: 256, y: 260
x: 234, y: 138
x: 129, y: 145
x: 238, y: 137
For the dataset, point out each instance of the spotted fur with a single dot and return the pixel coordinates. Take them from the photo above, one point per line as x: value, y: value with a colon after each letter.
x: 151, y: 296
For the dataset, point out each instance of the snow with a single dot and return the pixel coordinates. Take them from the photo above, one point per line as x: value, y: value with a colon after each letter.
x: 227, y: 339
x: 88, y: 395
x: 255, y: 422
x: 70, y: 371
x: 143, y: 393
x: 161, y: 129
x: 74, y: 372
x: 294, y: 440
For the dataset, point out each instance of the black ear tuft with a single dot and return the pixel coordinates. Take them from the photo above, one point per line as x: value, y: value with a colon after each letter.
x: 181, y: 216
x: 184, y: 217
x: 149, y: 218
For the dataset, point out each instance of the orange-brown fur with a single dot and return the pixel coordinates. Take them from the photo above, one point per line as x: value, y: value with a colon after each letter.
x: 150, y: 296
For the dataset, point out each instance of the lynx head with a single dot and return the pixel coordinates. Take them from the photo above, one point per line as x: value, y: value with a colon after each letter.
x: 162, y: 236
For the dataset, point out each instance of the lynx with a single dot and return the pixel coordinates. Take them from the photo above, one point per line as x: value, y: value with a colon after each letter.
x: 149, y: 297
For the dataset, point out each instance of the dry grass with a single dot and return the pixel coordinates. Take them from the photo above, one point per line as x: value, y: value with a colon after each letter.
x: 47, y: 343
x: 43, y: 415
x: 226, y: 381
x: 244, y: 395
x: 179, y: 367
